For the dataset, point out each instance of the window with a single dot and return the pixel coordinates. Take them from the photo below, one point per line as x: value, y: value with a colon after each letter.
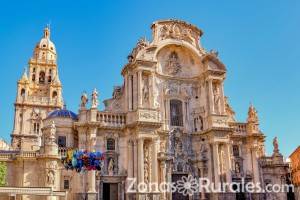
x: 236, y: 150
x: 176, y: 113
x: 36, y: 127
x: 66, y: 184
x: 54, y: 94
x: 62, y: 141
x: 23, y: 92
x: 110, y: 144
x: 33, y: 77
x: 42, y: 77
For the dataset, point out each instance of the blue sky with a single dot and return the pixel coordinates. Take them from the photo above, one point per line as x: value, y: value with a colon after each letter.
x: 257, y: 40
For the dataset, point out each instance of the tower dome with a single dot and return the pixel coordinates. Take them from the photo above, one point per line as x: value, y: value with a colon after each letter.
x: 45, y: 49
x: 62, y: 113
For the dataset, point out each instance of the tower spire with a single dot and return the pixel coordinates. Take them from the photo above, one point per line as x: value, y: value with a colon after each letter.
x: 47, y: 32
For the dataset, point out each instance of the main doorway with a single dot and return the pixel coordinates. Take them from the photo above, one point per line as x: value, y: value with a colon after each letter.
x: 176, y: 195
x: 110, y: 191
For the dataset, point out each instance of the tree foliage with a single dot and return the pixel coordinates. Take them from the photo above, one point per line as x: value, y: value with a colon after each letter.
x: 3, y: 169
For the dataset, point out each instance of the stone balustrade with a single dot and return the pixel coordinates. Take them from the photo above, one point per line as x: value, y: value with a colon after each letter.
x: 240, y: 128
x: 266, y: 161
x: 31, y: 191
x: 111, y: 119
x: 10, y: 155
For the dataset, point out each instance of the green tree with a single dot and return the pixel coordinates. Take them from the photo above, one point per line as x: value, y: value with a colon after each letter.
x: 3, y: 169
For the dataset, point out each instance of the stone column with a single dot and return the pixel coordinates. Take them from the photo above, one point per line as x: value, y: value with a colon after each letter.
x: 163, y: 174
x: 141, y: 160
x: 92, y: 192
x: 154, y: 178
x: 228, y: 163
x: 222, y: 102
x: 210, y: 96
x: 151, y: 90
x: 216, y: 163
x: 140, y: 89
x: 255, y: 165
x: 130, y: 159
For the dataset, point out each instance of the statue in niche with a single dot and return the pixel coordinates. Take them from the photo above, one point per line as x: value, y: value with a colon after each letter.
x: 145, y: 89
x: 217, y: 98
x: 84, y: 100
x: 95, y: 99
x: 173, y: 65
x: 110, y: 168
x: 50, y: 177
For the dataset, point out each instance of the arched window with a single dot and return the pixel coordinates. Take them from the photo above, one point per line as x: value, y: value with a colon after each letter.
x: 110, y: 144
x: 23, y: 91
x: 50, y: 76
x: 54, y: 94
x: 42, y: 77
x: 176, y: 112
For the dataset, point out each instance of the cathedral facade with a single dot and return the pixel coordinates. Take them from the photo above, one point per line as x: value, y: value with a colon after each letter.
x: 170, y: 119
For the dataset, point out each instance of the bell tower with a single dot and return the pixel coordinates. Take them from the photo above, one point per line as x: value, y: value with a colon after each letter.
x: 39, y: 91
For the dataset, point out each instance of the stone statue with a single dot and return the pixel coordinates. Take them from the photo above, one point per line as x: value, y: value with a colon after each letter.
x: 217, y: 99
x: 84, y: 100
x: 95, y: 99
x: 173, y: 65
x: 111, y: 167
x: 50, y: 177
x: 275, y: 145
x: 145, y: 88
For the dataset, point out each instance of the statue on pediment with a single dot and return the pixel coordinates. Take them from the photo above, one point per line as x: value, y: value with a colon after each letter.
x: 84, y: 100
x: 95, y: 102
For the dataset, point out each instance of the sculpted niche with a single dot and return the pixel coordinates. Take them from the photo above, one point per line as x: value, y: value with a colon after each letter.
x: 178, y: 61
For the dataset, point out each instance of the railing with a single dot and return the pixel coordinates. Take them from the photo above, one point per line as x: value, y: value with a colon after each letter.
x: 111, y: 119
x: 62, y: 152
x: 31, y: 191
x: 265, y: 161
x: 240, y: 128
x: 9, y: 155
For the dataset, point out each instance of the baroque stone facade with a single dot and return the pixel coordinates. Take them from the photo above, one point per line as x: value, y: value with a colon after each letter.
x: 170, y: 119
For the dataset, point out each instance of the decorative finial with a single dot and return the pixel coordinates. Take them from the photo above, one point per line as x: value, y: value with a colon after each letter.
x: 47, y: 32
x: 24, y: 76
